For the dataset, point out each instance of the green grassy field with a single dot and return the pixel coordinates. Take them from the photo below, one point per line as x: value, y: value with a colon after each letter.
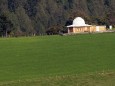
x: 29, y: 61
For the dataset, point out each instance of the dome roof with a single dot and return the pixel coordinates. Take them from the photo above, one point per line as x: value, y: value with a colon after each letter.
x: 78, y: 21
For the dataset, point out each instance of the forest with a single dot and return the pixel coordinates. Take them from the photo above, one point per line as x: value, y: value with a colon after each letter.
x: 41, y: 17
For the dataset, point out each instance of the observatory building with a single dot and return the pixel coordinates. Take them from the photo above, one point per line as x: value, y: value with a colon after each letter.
x: 79, y: 26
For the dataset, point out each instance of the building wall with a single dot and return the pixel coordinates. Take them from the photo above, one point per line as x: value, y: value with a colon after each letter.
x: 86, y: 29
x: 93, y: 29
x: 71, y: 29
x: 78, y: 29
x: 101, y: 28
x: 81, y: 29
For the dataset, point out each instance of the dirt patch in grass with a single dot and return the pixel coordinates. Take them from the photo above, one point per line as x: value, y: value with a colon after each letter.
x: 91, y: 79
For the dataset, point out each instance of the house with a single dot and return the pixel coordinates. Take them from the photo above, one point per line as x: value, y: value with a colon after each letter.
x: 79, y: 26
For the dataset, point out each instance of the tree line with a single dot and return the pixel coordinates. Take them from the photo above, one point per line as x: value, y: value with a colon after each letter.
x: 40, y: 17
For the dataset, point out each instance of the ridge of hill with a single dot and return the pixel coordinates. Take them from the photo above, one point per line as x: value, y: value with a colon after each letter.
x: 26, y: 17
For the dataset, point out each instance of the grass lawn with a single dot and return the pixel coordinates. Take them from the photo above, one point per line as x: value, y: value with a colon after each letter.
x: 38, y: 61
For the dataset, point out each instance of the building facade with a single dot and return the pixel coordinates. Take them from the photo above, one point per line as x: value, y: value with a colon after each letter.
x: 79, y: 26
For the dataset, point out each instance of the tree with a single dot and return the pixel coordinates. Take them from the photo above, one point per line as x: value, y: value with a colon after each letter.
x: 5, y: 26
x: 25, y: 22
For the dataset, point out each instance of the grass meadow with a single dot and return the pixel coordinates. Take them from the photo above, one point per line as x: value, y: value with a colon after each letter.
x: 79, y: 60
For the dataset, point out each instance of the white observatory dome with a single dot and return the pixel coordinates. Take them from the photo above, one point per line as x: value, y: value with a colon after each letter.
x: 78, y: 21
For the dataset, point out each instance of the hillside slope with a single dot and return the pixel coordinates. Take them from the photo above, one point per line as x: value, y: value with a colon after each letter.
x: 37, y: 16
